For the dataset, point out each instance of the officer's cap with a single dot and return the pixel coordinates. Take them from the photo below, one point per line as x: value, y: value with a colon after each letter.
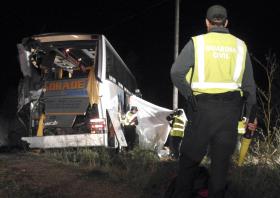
x: 134, y: 108
x: 216, y: 13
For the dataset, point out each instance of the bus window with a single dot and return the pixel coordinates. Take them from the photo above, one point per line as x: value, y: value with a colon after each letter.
x: 116, y: 69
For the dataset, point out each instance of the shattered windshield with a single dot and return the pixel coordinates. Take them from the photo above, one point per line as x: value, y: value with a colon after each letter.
x: 62, y: 59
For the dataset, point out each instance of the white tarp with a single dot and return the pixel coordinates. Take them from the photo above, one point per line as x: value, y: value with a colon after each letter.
x: 153, y: 127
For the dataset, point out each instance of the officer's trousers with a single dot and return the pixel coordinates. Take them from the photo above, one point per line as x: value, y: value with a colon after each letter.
x: 131, y: 136
x: 213, y: 128
x: 174, y: 144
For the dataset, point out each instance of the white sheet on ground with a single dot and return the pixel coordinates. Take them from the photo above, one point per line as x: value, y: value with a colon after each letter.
x: 153, y: 128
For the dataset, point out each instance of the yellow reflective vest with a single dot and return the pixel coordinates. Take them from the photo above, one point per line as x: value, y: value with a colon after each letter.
x: 130, y: 118
x: 219, y: 63
x: 178, y: 126
x: 241, y: 126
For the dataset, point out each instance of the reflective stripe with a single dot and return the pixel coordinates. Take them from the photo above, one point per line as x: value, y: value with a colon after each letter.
x: 205, y: 85
x: 179, y: 124
x: 200, y: 55
x: 241, y: 126
x: 239, y: 60
x: 178, y: 129
x: 241, y: 131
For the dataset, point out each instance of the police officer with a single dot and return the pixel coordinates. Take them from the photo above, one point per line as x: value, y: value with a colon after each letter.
x: 177, y: 122
x: 218, y: 71
x: 138, y: 93
x: 130, y: 123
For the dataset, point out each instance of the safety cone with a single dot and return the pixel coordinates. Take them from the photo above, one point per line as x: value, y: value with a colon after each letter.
x: 247, y: 137
x: 245, y: 143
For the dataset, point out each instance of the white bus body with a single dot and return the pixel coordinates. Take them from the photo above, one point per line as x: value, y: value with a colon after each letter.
x: 74, y: 91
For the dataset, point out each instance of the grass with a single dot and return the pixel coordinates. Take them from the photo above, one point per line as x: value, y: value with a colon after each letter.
x: 141, y: 169
x: 15, y: 183
x: 259, y: 177
x: 255, y: 181
x: 86, y: 157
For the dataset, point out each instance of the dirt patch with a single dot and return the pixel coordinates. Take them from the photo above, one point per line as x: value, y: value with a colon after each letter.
x: 31, y: 175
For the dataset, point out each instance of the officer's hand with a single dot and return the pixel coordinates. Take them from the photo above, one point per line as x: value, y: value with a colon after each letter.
x: 252, y: 126
x: 168, y: 118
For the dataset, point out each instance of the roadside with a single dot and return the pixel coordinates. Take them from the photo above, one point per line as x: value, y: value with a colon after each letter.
x: 31, y: 175
x: 101, y: 173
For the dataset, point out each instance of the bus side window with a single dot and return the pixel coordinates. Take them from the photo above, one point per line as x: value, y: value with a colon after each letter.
x: 117, y: 69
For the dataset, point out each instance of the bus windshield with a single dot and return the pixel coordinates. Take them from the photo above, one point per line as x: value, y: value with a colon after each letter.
x: 64, y: 60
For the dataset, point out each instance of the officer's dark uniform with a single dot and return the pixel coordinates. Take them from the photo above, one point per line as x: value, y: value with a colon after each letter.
x: 213, y: 121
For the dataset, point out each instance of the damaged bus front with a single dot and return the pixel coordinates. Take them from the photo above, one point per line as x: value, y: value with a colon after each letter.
x: 74, y: 90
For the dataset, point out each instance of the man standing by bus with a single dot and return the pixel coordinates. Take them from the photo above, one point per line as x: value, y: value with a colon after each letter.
x: 130, y: 122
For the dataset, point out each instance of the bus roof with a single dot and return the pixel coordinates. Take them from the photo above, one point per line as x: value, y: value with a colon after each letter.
x: 54, y: 37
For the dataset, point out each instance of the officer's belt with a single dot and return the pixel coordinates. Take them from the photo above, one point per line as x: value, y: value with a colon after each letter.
x: 232, y: 95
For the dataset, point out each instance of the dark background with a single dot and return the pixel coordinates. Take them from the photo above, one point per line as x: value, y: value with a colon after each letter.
x: 141, y: 31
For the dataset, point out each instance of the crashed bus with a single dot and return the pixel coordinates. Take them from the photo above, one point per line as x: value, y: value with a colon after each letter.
x: 74, y: 89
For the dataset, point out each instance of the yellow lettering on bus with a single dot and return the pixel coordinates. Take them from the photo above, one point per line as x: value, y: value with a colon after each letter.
x: 54, y: 86
x: 50, y: 86
x: 57, y: 86
x: 80, y: 84
x: 65, y: 85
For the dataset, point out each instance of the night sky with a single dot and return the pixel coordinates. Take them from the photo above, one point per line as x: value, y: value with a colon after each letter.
x: 141, y: 31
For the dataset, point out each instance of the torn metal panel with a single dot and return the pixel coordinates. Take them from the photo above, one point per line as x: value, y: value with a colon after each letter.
x: 64, y: 37
x: 24, y: 60
x: 117, y: 127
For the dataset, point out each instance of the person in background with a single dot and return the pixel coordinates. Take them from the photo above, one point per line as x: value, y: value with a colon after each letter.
x: 241, y: 128
x: 177, y: 121
x: 138, y: 93
x: 129, y: 124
